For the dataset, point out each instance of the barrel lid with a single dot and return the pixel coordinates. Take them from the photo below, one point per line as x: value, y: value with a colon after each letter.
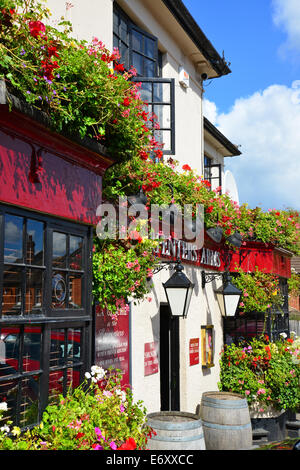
x: 223, y: 395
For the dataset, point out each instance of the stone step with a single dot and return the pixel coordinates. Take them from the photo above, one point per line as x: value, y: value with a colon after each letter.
x: 259, y: 436
x: 293, y: 428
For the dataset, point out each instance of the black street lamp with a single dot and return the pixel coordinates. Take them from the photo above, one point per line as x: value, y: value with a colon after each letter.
x: 179, y: 291
x: 228, y: 295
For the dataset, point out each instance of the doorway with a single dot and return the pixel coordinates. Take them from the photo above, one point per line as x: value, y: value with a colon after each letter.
x: 169, y: 360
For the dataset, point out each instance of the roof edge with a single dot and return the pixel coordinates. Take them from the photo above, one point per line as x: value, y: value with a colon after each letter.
x: 233, y: 149
x: 191, y: 27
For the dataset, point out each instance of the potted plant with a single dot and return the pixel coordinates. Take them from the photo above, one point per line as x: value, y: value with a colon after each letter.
x: 267, y: 374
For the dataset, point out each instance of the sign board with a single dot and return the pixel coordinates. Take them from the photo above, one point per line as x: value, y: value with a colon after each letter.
x: 150, y: 358
x: 112, y: 342
x: 194, y: 351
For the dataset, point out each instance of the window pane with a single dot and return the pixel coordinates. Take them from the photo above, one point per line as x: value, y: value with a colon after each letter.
x: 73, y: 377
x: 35, y: 243
x: 137, y: 41
x: 34, y: 291
x: 149, y: 68
x: 137, y: 62
x: 57, y: 347
x: 164, y: 137
x: 150, y: 47
x: 55, y: 385
x: 161, y: 92
x: 75, y: 291
x: 123, y: 31
x: 13, y: 239
x: 163, y: 113
x: 76, y: 244
x: 123, y: 49
x: 29, y: 401
x: 146, y: 92
x: 59, y: 250
x: 9, y: 350
x: 74, y: 341
x: 12, y: 291
x: 32, y: 349
x: 59, y: 290
x: 8, y: 393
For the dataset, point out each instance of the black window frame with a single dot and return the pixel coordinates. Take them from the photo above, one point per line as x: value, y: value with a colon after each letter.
x: 143, y: 78
x: 208, y: 166
x: 49, y: 319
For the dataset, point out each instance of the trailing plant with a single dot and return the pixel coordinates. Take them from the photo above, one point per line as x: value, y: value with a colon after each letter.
x: 260, y: 291
x: 79, y: 85
x: 294, y: 284
x: 97, y: 415
x: 280, y: 228
x: 122, y: 269
x: 266, y: 373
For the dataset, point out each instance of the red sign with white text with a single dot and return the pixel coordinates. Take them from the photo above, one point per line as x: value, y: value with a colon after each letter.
x: 150, y: 358
x: 194, y: 351
x: 112, y: 342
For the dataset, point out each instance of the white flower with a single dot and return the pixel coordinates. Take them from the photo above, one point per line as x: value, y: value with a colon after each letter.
x: 121, y: 393
x: 3, y: 406
x: 284, y: 335
x: 87, y: 375
x: 5, y: 429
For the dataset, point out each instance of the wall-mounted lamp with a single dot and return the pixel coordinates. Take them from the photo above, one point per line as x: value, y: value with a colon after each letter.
x: 139, y: 198
x: 228, y: 295
x: 215, y: 233
x: 178, y: 289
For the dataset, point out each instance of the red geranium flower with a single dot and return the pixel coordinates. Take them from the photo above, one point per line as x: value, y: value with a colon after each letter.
x: 119, y: 67
x: 37, y: 28
x: 126, y: 102
x: 130, y: 444
x: 186, y: 168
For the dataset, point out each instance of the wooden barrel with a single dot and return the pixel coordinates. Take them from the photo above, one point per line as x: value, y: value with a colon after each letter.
x: 176, y: 430
x: 226, y: 421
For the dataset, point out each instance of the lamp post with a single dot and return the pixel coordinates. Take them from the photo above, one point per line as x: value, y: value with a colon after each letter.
x: 228, y: 295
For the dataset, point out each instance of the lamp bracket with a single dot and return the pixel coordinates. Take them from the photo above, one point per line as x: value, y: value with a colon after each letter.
x: 165, y: 264
x: 209, y: 277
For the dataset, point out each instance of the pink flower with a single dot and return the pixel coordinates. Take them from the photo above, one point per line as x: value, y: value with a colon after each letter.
x: 122, y: 409
x: 247, y: 392
x: 113, y: 446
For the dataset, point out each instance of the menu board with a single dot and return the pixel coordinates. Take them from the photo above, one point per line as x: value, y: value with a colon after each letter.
x: 112, y: 342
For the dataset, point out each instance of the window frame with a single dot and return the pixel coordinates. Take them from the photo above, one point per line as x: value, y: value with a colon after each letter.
x: 211, y: 165
x: 48, y: 319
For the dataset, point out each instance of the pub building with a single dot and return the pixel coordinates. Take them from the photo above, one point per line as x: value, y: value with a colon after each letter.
x: 50, y: 188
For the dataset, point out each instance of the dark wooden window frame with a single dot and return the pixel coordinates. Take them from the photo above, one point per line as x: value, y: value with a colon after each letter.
x: 50, y: 318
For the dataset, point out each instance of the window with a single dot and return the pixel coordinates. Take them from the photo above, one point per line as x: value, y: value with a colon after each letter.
x: 45, y: 315
x: 212, y: 173
x: 253, y: 324
x: 139, y: 49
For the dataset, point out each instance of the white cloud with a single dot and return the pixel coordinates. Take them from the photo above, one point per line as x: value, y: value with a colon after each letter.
x: 266, y: 125
x: 286, y: 15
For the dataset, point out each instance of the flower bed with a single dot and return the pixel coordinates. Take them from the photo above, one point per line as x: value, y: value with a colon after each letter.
x: 266, y: 373
x: 98, y: 415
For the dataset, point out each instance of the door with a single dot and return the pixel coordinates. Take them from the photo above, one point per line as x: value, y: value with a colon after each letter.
x: 169, y: 361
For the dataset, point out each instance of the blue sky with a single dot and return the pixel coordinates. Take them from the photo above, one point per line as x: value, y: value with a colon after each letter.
x: 257, y: 106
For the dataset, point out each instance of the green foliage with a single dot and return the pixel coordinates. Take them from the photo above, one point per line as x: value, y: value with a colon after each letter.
x: 294, y: 284
x: 260, y: 291
x: 121, y: 269
x: 72, y: 81
x: 266, y: 373
x: 97, y: 415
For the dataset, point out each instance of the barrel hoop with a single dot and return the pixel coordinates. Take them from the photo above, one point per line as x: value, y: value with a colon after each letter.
x: 223, y: 426
x: 167, y: 426
x: 178, y: 439
x: 232, y: 404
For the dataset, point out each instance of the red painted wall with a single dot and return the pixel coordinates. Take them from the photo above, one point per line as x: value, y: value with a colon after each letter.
x: 38, y: 171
